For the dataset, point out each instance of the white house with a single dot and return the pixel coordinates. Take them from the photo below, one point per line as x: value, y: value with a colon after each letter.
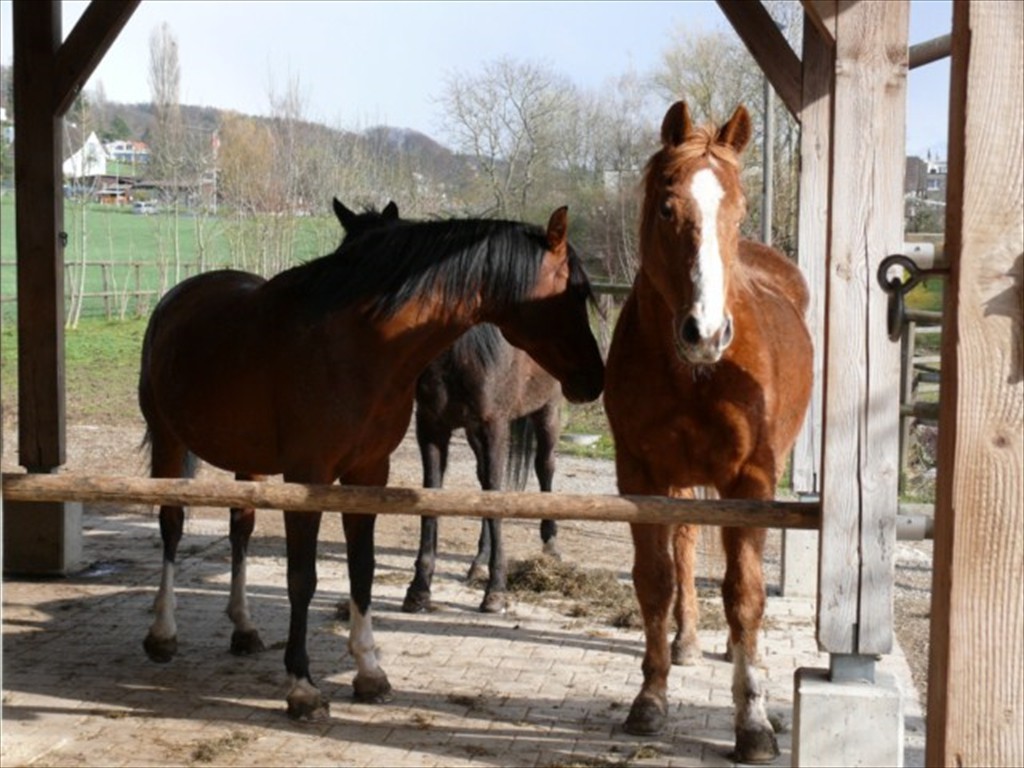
x: 90, y: 160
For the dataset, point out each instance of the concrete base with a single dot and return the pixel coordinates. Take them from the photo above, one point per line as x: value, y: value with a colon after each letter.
x: 42, y: 537
x: 799, y: 563
x: 846, y: 724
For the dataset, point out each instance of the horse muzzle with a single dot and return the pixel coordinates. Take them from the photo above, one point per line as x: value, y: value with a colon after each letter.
x: 696, y: 346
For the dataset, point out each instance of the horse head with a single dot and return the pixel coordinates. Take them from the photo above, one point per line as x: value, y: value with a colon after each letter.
x: 693, y: 206
x: 553, y: 324
x: 356, y: 223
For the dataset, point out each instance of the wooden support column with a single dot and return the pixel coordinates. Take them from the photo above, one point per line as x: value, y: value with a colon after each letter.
x: 39, y: 218
x: 800, y: 548
x: 976, y: 672
x: 860, y: 469
x: 46, y: 538
x: 39, y: 538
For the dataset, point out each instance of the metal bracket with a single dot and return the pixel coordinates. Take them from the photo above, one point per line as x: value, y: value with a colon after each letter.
x: 897, y: 289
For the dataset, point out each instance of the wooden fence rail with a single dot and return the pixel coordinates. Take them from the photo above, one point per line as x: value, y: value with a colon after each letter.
x: 19, y: 487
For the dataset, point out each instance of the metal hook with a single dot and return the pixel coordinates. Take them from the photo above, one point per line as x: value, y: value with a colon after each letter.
x: 898, y: 289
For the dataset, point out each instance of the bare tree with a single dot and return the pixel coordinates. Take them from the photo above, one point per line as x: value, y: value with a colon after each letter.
x: 506, y: 117
x: 167, y: 146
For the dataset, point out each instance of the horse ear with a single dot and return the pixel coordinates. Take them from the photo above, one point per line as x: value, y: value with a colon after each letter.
x: 345, y: 216
x: 390, y: 212
x: 558, y: 227
x: 676, y: 126
x: 736, y: 132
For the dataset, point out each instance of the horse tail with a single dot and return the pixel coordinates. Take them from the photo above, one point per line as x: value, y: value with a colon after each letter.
x: 522, y: 445
x: 189, y: 463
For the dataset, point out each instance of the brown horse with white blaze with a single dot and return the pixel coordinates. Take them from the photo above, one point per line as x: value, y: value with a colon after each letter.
x: 707, y: 381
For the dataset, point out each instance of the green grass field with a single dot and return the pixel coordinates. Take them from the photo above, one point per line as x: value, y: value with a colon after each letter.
x: 139, y: 251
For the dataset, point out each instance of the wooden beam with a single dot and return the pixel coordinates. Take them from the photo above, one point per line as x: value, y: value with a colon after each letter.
x: 822, y: 14
x: 407, y: 501
x: 812, y: 234
x: 860, y: 469
x: 39, y: 217
x: 88, y: 42
x: 976, y: 671
x: 929, y: 51
x: 768, y: 46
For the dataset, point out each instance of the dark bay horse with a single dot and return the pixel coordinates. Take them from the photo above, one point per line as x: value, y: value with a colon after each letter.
x: 312, y: 373
x: 708, y: 378
x: 510, y: 409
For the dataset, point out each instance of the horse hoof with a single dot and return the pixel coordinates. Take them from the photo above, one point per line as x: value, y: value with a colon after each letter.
x: 371, y: 689
x: 417, y: 602
x: 160, y: 649
x: 551, y: 549
x: 686, y: 654
x: 646, y: 716
x: 494, y: 602
x: 246, y: 643
x: 756, y: 745
x: 306, y: 703
x: 476, y: 572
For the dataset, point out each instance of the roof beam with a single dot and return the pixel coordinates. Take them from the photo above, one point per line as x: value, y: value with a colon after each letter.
x: 769, y: 47
x: 85, y: 47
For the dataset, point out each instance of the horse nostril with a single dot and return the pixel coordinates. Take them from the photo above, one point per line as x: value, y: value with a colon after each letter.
x: 691, y: 331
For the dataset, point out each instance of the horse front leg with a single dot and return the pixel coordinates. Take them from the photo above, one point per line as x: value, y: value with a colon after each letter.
x: 245, y: 639
x: 743, y: 594
x: 654, y: 582
x: 371, y: 683
x: 304, y: 699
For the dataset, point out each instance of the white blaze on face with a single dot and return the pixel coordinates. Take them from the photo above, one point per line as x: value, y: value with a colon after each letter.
x: 708, y: 271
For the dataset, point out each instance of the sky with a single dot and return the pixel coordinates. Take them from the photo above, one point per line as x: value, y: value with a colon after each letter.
x: 360, y: 64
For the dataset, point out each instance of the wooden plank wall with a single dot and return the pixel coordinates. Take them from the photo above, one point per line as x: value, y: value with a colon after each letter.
x: 860, y: 431
x: 976, y: 675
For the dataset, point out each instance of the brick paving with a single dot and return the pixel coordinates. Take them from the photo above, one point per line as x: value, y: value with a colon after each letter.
x: 533, y: 687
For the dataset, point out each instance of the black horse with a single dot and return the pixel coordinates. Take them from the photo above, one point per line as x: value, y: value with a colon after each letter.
x: 510, y: 409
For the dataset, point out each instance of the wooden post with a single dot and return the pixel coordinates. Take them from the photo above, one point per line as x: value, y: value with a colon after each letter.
x: 46, y: 538
x: 39, y: 218
x: 860, y: 471
x: 39, y: 538
x: 976, y: 672
x: 800, y: 548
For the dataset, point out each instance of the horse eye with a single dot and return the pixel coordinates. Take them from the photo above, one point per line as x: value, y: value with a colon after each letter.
x: 666, y: 209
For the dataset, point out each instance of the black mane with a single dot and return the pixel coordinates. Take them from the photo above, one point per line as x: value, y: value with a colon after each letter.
x: 452, y: 259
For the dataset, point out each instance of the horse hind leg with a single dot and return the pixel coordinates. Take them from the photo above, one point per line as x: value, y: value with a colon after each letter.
x: 245, y: 639
x: 686, y: 644
x: 169, y: 458
x: 546, y: 425
x: 491, y: 448
x: 744, y: 597
x: 433, y: 441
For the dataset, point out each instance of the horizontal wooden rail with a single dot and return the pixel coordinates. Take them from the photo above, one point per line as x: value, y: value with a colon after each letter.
x: 408, y: 501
